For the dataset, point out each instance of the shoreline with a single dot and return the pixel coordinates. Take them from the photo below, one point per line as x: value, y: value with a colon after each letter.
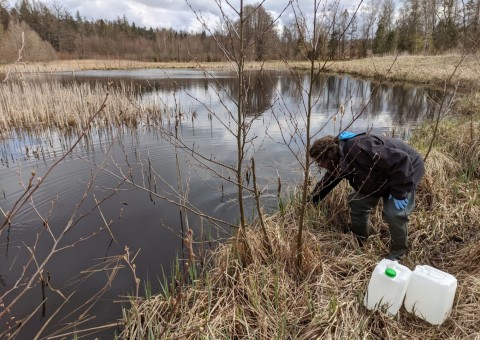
x: 434, y: 71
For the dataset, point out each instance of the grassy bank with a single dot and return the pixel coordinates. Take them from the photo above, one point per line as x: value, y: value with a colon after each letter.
x: 256, y: 295
x: 427, y: 70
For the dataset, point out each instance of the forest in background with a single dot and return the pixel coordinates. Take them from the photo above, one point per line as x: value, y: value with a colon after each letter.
x: 377, y: 27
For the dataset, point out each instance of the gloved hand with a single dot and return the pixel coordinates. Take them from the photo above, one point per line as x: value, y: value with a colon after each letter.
x: 399, y: 204
x: 346, y: 135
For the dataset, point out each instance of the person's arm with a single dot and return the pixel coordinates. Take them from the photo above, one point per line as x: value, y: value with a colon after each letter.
x: 323, y: 187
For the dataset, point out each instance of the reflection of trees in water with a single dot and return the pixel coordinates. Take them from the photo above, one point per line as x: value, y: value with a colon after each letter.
x: 260, y: 94
x: 435, y: 98
x: 260, y: 87
x: 403, y: 103
x: 287, y: 86
x: 259, y: 91
x: 407, y: 103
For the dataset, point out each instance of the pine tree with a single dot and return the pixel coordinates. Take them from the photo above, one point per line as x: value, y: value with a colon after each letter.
x: 380, y: 39
x: 384, y: 41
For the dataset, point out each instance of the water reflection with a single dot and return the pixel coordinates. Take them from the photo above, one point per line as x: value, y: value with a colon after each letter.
x: 144, y: 214
x: 405, y: 105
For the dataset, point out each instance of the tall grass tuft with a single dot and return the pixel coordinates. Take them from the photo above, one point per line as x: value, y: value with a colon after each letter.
x: 458, y: 138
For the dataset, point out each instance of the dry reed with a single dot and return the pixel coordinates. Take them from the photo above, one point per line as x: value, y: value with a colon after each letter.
x: 254, y: 295
x: 35, y: 105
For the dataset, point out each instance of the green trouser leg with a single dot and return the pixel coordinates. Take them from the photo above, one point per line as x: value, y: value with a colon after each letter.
x: 360, y: 208
x: 397, y: 221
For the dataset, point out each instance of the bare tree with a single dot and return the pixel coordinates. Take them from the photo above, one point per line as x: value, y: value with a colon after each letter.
x: 315, y: 31
x: 368, y: 19
x: 430, y: 15
x: 259, y: 33
x: 249, y: 30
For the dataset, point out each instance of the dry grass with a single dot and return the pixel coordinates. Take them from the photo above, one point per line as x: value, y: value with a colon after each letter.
x: 432, y: 70
x: 429, y: 70
x: 107, y: 64
x: 468, y: 104
x: 459, y: 139
x: 255, y: 295
x: 88, y: 64
x: 36, y: 105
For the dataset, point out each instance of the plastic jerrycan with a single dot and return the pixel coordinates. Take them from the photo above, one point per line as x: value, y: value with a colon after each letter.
x: 430, y: 294
x: 387, y: 286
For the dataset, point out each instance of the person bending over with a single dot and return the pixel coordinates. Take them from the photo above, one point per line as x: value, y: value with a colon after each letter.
x: 376, y: 167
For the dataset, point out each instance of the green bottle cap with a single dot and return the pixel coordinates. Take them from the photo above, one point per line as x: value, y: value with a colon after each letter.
x: 390, y: 272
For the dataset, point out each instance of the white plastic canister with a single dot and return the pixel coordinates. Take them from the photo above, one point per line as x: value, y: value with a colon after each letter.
x: 430, y: 294
x: 387, y: 286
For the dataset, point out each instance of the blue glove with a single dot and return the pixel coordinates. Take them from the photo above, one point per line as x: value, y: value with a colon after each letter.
x: 346, y: 135
x: 399, y: 204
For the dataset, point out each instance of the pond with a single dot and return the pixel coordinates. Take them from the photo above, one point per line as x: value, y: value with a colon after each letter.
x: 94, y: 217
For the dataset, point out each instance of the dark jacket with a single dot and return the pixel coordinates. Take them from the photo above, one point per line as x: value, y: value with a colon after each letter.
x: 374, y: 165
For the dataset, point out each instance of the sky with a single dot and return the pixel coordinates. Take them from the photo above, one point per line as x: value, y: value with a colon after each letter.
x: 176, y: 14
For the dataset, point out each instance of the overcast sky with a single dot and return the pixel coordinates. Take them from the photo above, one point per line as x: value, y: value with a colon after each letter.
x: 176, y: 14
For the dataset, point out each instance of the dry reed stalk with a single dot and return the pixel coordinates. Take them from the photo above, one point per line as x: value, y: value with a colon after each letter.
x: 267, y: 299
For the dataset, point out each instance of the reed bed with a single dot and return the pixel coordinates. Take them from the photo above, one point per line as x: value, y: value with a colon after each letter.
x: 35, y: 105
x: 246, y: 292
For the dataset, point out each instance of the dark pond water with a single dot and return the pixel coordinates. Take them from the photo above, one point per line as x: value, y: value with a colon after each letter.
x: 149, y: 224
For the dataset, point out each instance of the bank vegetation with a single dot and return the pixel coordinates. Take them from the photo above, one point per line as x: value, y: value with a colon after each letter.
x: 420, y: 69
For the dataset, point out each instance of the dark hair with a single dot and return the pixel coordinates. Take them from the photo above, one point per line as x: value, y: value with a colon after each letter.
x: 326, y: 149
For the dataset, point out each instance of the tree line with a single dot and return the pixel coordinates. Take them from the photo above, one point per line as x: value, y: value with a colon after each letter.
x: 374, y: 27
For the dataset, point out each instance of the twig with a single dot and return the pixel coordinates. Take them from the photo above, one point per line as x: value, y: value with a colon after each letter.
x: 259, y: 209
x: 20, y: 51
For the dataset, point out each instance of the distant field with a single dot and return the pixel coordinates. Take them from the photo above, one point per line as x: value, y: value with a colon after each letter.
x: 432, y: 70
